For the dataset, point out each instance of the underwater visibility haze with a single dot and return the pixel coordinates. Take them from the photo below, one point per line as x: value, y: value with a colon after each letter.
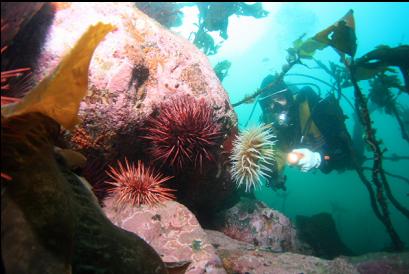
x: 204, y: 137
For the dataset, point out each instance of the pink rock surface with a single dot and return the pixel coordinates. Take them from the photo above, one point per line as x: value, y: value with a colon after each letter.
x: 174, y: 65
x: 382, y: 262
x: 172, y: 230
x: 240, y: 258
x: 134, y: 70
x: 254, y: 222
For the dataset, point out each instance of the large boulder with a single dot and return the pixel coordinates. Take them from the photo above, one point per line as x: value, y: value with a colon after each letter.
x: 172, y: 230
x: 138, y: 69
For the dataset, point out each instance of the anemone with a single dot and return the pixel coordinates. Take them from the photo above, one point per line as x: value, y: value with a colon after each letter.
x: 252, y: 156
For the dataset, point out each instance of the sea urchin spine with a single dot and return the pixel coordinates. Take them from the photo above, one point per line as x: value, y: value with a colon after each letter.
x: 183, y: 133
x: 138, y: 185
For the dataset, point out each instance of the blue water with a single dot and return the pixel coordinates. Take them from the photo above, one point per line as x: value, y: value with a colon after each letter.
x: 257, y: 47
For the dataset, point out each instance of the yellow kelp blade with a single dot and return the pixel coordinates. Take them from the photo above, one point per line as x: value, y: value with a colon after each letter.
x: 308, y: 47
x: 59, y: 95
x: 342, y: 34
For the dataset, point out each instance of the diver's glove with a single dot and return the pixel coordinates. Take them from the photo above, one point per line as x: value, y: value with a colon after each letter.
x: 308, y: 160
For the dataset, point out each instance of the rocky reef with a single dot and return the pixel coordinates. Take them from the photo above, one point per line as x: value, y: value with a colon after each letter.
x: 133, y: 90
x: 134, y: 73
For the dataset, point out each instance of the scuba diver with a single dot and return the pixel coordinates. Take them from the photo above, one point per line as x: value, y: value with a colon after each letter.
x: 310, y: 131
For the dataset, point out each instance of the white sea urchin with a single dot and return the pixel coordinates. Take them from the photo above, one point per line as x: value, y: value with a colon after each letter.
x: 252, y: 156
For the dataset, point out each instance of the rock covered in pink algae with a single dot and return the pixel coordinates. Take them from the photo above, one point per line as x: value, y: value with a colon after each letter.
x: 239, y: 257
x: 254, y: 222
x: 172, y: 230
x: 136, y: 68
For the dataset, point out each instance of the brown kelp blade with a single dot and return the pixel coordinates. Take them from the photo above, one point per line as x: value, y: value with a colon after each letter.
x: 340, y: 35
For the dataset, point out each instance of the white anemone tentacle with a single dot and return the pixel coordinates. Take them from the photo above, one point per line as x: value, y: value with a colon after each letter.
x: 253, y: 156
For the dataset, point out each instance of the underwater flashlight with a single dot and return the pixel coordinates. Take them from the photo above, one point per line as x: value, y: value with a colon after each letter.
x: 294, y: 157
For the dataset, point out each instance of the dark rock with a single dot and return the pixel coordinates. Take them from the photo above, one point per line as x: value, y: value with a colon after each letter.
x: 320, y: 232
x: 51, y: 222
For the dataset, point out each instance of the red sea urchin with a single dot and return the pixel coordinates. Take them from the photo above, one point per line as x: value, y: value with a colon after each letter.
x: 183, y: 132
x: 138, y: 185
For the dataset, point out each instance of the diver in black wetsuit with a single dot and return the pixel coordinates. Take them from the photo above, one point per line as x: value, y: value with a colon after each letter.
x: 310, y: 130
